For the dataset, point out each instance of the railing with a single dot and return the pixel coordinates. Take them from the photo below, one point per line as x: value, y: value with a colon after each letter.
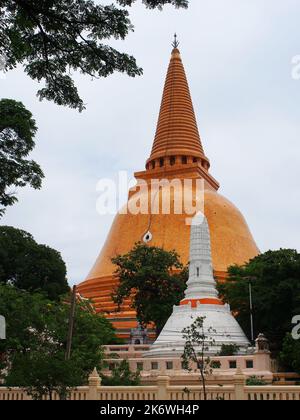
x: 164, y: 391
x: 18, y: 394
x: 80, y: 394
x: 83, y: 394
x: 13, y: 394
x: 196, y: 393
x: 146, y: 393
x: 272, y: 393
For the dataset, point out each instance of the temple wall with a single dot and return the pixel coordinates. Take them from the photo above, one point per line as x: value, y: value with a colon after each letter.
x: 257, y: 364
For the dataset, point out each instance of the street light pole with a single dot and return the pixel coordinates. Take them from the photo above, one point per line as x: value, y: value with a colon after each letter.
x: 71, y: 324
x: 251, y: 311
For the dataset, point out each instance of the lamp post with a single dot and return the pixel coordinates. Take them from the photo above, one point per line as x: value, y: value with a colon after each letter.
x: 251, y: 312
x: 251, y: 308
x: 71, y: 324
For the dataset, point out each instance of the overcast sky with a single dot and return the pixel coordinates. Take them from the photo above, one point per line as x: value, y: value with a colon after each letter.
x: 237, y: 55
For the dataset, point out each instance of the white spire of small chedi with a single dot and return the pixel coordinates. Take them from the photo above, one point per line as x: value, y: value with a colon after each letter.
x: 201, y: 283
x: 201, y: 300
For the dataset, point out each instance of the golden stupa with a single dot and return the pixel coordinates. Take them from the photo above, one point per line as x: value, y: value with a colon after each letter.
x: 177, y: 154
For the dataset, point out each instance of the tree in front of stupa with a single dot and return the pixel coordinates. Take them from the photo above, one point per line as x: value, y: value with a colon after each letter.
x: 197, y: 343
x: 34, y: 352
x: 290, y: 354
x: 275, y: 281
x: 154, y: 279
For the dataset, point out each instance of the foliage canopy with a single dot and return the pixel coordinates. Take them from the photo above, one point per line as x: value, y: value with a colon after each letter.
x: 53, y: 38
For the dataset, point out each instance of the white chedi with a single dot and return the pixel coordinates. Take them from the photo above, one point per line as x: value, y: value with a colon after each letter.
x: 201, y: 300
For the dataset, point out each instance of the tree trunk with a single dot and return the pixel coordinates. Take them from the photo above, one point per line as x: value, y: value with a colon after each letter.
x: 204, y: 386
x: 200, y: 367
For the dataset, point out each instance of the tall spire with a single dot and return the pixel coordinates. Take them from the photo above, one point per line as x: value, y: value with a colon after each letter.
x: 177, y: 132
x: 201, y: 284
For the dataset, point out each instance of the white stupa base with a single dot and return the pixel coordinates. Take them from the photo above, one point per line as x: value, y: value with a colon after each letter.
x: 170, y: 343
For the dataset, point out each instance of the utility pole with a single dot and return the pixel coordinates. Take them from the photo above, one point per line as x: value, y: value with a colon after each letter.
x: 71, y: 324
x: 251, y: 312
x: 250, y: 279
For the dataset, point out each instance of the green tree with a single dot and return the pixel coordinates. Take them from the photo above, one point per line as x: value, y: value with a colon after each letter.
x: 53, y: 38
x: 121, y: 375
x: 155, y: 280
x: 44, y: 372
x: 17, y: 132
x: 290, y: 354
x: 30, y: 266
x: 256, y: 381
x: 229, y: 350
x: 197, y: 344
x: 34, y: 351
x: 276, y: 293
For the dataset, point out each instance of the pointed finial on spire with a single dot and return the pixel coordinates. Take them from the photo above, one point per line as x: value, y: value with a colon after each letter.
x: 175, y: 43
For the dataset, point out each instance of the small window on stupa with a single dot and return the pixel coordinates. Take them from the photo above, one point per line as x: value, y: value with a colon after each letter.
x: 161, y: 162
x: 198, y: 271
x: 184, y: 160
x: 249, y: 364
x: 172, y: 160
x: 232, y: 364
x: 169, y: 365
